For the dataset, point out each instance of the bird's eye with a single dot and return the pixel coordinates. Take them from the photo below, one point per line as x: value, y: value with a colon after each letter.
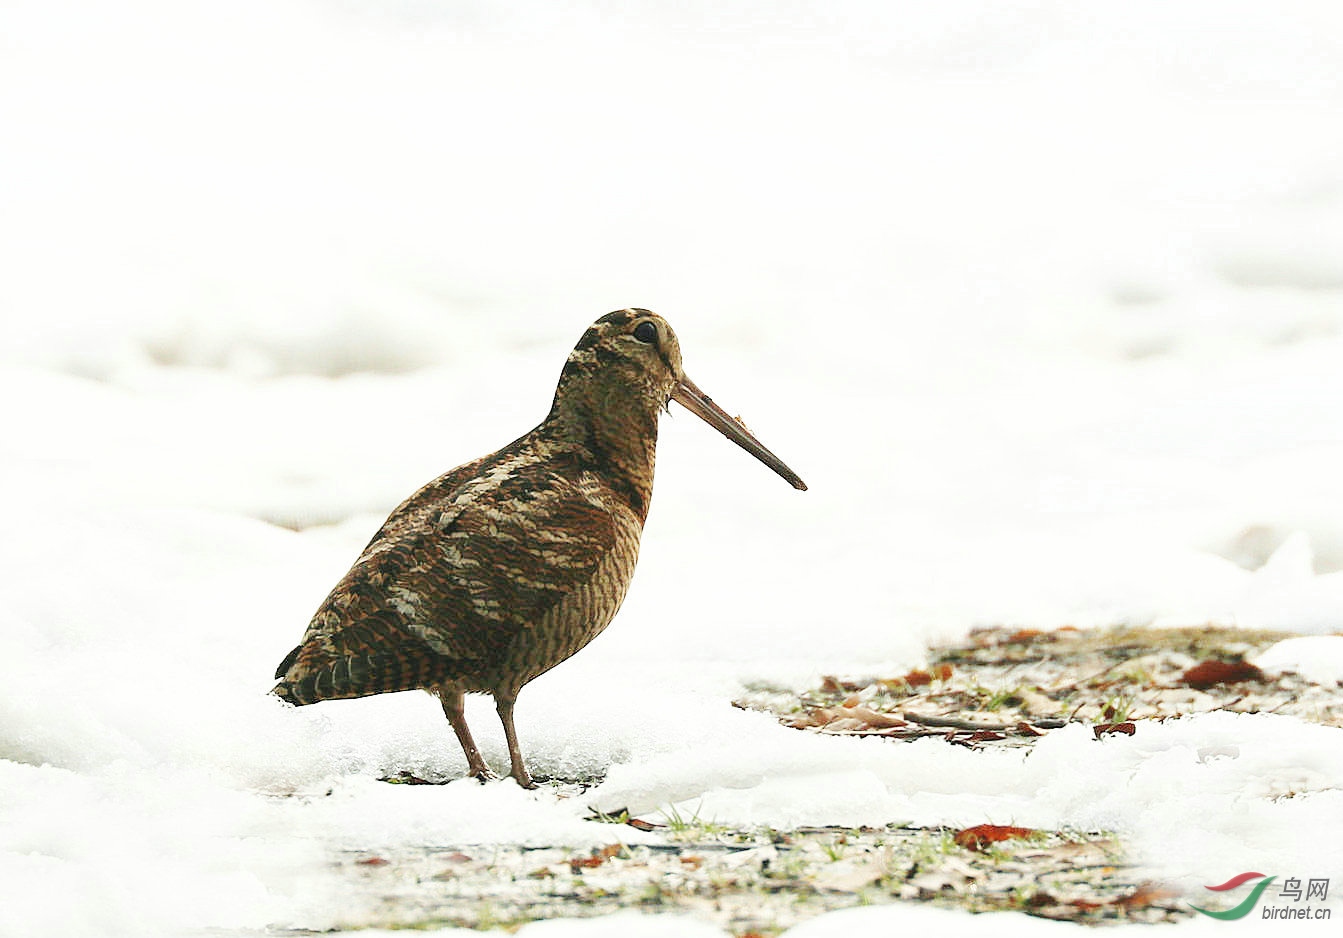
x: 646, y: 332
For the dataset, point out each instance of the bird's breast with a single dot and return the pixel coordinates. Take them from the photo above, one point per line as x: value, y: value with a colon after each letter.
x: 595, y: 559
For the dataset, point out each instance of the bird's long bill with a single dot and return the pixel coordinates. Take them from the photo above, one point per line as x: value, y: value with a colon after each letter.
x: 701, y: 405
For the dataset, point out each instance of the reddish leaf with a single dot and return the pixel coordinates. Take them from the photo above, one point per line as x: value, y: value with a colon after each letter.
x: 1101, y: 729
x: 373, y: 861
x: 639, y: 824
x: 1144, y: 895
x: 980, y: 736
x: 917, y: 678
x: 942, y: 672
x: 1025, y: 729
x: 1205, y: 674
x: 1021, y: 635
x: 833, y: 685
x: 981, y: 835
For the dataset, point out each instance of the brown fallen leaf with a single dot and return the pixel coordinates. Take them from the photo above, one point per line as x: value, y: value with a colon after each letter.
x: 1146, y: 894
x: 874, y: 718
x: 578, y: 864
x: 833, y: 685
x: 917, y: 678
x: 1206, y: 674
x: 1102, y: 729
x: 981, y: 835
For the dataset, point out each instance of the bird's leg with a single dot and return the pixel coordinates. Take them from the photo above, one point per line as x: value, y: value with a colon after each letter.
x: 453, y: 708
x: 503, y: 702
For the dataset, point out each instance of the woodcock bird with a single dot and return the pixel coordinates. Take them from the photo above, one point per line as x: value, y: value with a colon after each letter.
x: 499, y: 570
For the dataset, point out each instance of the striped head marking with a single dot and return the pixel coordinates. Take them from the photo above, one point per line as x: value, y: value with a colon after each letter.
x: 630, y: 350
x: 623, y: 370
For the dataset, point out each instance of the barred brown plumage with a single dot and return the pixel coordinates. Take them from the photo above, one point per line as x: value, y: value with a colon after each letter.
x: 497, y: 571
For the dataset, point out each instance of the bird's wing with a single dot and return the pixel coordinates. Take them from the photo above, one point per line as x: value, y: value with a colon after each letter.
x: 453, y: 576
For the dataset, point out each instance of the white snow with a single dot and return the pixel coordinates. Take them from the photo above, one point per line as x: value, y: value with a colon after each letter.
x: 1044, y: 302
x: 1317, y: 658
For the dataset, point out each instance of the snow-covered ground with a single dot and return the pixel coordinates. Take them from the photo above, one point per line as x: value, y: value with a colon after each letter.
x: 1045, y: 302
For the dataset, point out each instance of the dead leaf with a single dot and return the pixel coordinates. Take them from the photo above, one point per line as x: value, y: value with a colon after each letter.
x: 1144, y: 895
x: 875, y: 718
x: 1102, y: 729
x: 833, y: 685
x: 1205, y: 674
x: 578, y: 864
x: 981, y: 835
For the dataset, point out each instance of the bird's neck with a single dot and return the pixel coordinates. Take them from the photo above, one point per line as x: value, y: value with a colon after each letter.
x: 618, y: 442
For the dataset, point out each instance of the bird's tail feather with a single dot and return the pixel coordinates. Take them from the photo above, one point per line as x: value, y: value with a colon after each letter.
x: 355, y: 676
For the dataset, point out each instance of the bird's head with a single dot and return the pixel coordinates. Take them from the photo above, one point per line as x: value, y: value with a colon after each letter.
x: 627, y: 367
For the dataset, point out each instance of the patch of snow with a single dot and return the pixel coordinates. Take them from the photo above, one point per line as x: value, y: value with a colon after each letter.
x: 1317, y: 658
x: 1052, y: 331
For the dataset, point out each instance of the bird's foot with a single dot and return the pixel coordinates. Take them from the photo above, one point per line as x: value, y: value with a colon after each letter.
x: 524, y: 780
x: 484, y: 774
